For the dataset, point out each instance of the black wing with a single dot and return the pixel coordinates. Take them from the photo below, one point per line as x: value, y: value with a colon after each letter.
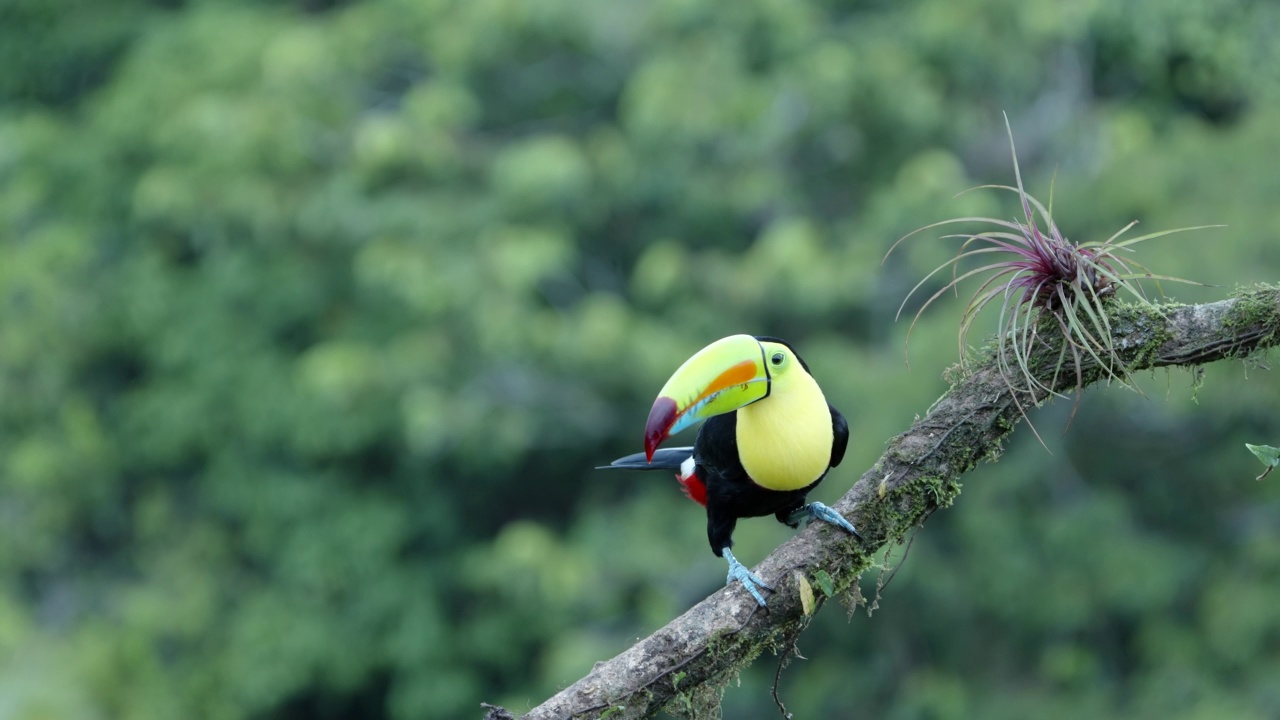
x: 840, y: 433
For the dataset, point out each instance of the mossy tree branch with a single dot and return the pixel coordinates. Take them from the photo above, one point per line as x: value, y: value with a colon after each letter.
x: 917, y: 474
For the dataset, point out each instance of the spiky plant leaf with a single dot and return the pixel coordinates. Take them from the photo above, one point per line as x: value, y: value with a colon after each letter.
x: 1042, y: 282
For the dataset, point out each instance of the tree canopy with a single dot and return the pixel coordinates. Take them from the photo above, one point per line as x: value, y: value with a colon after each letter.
x: 317, y: 315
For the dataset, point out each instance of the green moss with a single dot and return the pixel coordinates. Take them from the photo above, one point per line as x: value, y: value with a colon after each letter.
x: 682, y: 704
x: 1129, y: 322
x: 1255, y: 306
x: 700, y: 701
x: 898, y: 509
x: 932, y: 487
x: 707, y: 697
x: 1197, y: 382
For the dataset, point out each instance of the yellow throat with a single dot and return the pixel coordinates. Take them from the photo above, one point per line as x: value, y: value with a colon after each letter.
x: 784, y: 440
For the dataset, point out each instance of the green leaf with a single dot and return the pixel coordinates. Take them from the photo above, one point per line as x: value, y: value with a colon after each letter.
x: 1269, y: 456
x: 825, y: 582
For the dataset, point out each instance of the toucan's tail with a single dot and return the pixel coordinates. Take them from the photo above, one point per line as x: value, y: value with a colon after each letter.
x: 678, y: 460
x: 664, y: 459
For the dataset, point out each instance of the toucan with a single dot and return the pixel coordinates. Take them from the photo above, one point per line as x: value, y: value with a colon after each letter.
x: 769, y: 438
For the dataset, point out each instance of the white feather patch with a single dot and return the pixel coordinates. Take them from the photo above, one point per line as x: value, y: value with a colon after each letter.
x: 687, y: 467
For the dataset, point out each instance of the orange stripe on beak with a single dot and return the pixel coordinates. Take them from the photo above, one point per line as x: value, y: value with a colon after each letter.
x: 740, y: 374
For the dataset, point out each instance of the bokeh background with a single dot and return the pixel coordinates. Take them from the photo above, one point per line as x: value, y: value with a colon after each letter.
x: 316, y: 316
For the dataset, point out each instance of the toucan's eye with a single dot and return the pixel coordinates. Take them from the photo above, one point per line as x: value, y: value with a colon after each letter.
x: 777, y: 358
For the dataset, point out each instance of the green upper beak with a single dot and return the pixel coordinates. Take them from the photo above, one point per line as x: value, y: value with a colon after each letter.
x: 721, y: 377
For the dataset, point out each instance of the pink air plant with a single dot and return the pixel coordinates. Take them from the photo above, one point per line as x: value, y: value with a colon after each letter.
x: 1039, y: 274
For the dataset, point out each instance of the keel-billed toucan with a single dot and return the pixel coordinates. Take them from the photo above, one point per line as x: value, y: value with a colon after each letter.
x: 770, y: 438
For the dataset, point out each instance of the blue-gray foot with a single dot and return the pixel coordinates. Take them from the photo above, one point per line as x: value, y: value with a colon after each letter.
x: 749, y: 580
x: 818, y: 511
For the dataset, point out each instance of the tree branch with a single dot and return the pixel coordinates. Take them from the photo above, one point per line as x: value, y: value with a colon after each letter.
x: 702, y: 649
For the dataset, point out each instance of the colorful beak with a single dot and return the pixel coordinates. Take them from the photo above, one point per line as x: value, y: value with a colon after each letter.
x: 720, y: 378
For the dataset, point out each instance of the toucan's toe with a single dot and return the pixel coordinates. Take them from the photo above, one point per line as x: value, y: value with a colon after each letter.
x: 824, y: 513
x: 749, y: 580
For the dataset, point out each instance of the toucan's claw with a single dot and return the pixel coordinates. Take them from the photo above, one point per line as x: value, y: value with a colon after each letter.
x: 749, y: 580
x: 818, y: 511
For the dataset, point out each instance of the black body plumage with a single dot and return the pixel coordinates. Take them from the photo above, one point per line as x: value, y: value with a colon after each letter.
x: 729, y: 492
x: 732, y: 494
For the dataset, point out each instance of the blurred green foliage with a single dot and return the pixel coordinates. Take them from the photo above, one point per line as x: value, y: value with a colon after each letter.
x: 316, y: 316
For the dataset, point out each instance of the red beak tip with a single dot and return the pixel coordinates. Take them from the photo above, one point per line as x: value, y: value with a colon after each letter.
x: 661, y: 418
x: 651, y: 443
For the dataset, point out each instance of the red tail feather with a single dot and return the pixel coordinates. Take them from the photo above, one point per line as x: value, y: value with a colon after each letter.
x: 693, y: 488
